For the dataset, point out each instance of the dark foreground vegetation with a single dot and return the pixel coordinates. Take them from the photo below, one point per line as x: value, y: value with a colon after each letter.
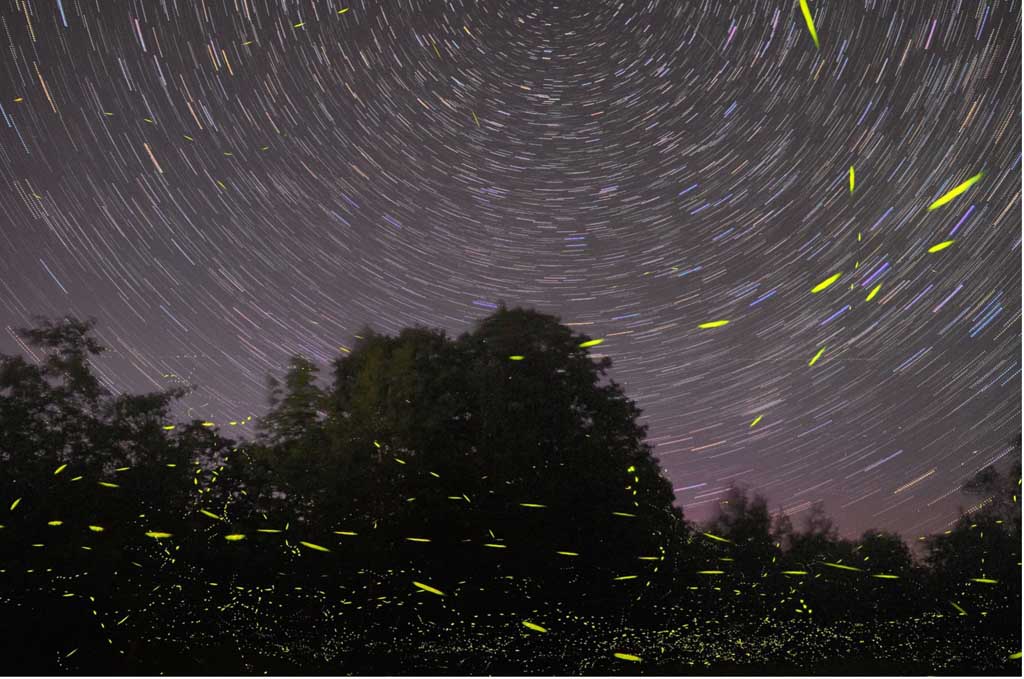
x: 479, y: 505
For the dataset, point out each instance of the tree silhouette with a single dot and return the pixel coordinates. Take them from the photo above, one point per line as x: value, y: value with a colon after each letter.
x: 1000, y: 491
x: 582, y: 454
x: 976, y: 564
x: 746, y: 522
x: 88, y: 471
x: 295, y: 406
x: 503, y: 467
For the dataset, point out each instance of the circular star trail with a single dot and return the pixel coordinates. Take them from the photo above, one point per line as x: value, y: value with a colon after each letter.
x: 224, y: 183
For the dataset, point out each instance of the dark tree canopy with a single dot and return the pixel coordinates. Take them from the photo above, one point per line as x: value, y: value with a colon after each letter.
x: 503, y: 467
x: 510, y: 435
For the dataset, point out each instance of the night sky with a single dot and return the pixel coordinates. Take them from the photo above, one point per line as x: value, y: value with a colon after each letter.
x: 223, y: 183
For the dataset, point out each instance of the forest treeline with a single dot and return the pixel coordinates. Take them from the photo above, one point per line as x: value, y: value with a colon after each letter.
x: 427, y: 479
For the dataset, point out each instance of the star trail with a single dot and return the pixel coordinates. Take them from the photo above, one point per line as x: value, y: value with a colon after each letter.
x: 803, y: 216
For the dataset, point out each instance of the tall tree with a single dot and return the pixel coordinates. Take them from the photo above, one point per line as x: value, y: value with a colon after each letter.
x: 999, y: 491
x: 976, y: 563
x: 511, y: 435
x: 746, y: 522
x: 553, y: 429
x: 84, y: 475
x: 295, y: 406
